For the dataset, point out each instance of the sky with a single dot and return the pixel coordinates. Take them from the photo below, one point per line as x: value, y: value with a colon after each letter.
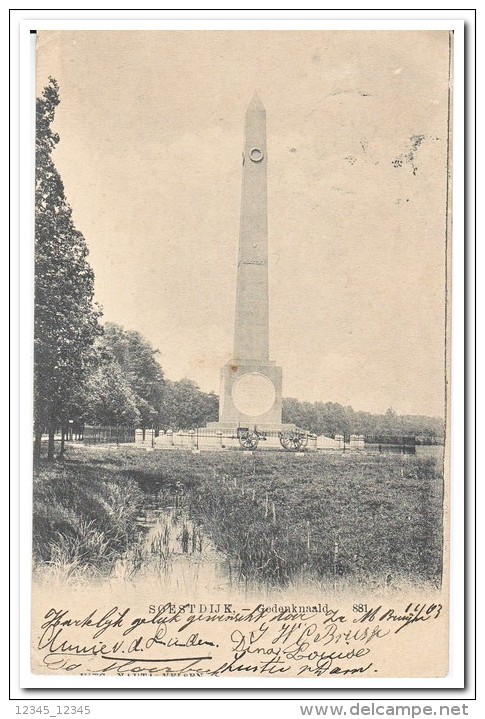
x: 151, y: 134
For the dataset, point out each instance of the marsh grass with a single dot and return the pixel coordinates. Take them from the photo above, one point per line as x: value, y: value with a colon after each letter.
x: 369, y: 521
x: 83, y: 517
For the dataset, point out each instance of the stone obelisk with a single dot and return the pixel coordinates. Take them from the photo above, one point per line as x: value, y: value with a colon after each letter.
x: 251, y: 329
x: 251, y: 383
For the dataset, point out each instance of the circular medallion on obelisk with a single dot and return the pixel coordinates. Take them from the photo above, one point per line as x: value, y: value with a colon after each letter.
x: 253, y: 394
x: 255, y: 154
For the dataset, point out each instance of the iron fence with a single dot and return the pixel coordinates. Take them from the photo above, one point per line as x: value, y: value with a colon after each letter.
x: 405, y: 444
x: 118, y: 434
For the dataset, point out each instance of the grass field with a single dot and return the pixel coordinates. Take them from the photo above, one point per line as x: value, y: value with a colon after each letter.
x: 356, y: 519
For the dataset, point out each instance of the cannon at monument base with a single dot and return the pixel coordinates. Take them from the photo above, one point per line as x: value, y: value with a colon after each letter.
x: 292, y: 439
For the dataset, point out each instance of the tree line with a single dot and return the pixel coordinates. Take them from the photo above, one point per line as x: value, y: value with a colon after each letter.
x: 89, y: 373
x: 127, y: 386
x: 331, y: 418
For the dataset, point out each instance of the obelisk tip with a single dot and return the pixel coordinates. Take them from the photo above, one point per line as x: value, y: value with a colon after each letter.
x: 256, y: 104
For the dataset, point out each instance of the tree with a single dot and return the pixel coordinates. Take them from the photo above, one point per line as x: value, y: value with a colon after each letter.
x: 65, y: 316
x: 108, y: 398
x: 141, y: 372
x: 185, y: 406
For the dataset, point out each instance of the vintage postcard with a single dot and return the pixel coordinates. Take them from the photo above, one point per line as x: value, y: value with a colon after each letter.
x: 241, y: 355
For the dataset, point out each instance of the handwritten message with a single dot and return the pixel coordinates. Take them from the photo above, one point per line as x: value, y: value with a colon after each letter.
x: 223, y: 640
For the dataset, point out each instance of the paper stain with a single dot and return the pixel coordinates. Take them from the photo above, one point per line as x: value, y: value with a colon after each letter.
x: 409, y: 157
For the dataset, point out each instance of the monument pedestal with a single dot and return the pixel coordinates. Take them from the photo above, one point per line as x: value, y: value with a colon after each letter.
x: 250, y: 394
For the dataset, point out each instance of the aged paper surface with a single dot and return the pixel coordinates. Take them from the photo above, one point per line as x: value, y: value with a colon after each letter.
x: 348, y: 577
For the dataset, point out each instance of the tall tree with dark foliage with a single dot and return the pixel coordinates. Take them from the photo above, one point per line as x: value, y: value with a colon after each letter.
x: 66, y: 318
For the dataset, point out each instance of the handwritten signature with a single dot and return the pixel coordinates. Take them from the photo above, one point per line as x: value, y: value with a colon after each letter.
x: 250, y: 641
